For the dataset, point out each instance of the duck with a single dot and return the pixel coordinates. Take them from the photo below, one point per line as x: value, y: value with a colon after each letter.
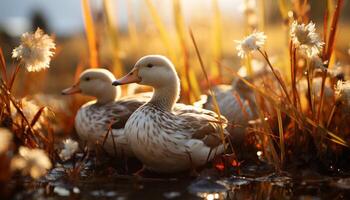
x: 238, y: 104
x: 107, y: 113
x: 169, y: 137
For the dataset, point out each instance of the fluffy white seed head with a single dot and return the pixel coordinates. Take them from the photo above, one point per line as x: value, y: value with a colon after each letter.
x: 33, y: 162
x: 250, y: 43
x: 35, y: 50
x: 69, y: 148
x: 305, y: 38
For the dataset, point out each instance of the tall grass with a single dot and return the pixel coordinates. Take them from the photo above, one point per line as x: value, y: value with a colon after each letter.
x: 215, y: 103
x: 187, y: 75
x: 114, y: 36
x: 132, y: 29
x: 329, y: 48
x: 90, y: 34
x: 216, y: 43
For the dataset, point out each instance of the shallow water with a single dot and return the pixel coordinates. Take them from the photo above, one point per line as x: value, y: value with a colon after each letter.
x: 115, y: 187
x: 251, y: 182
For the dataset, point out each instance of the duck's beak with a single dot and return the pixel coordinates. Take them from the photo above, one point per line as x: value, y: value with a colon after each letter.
x: 71, y: 90
x: 131, y: 77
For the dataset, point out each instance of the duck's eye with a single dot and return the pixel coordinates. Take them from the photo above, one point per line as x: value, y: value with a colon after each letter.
x: 87, y: 78
x: 149, y: 65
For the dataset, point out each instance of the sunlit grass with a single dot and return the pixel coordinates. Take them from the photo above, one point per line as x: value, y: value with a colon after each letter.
x: 290, y: 121
x: 90, y: 34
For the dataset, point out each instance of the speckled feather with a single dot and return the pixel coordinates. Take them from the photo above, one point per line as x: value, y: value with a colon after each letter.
x: 93, y: 121
x: 185, y: 137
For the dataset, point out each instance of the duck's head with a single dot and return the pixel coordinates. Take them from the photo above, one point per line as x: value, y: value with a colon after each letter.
x: 158, y: 72
x: 96, y: 83
x: 152, y: 70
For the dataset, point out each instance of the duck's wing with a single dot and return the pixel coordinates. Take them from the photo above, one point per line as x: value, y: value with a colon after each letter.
x: 119, y: 112
x: 182, y: 109
x: 200, y: 124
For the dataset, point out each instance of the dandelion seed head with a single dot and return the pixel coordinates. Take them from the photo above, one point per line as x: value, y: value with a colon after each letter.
x: 35, y: 50
x: 69, y: 148
x: 305, y: 38
x: 33, y: 162
x: 250, y: 43
x: 5, y: 140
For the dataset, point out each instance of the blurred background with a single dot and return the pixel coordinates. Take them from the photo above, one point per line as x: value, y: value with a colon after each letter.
x: 115, y: 33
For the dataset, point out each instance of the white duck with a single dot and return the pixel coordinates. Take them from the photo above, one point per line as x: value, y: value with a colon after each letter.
x: 108, y: 111
x: 164, y: 138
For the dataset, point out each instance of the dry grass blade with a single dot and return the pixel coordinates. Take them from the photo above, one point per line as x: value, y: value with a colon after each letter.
x: 13, y: 77
x: 287, y: 108
x: 132, y: 30
x: 325, y: 29
x: 291, y: 112
x: 331, y: 115
x: 328, y: 53
x: 113, y: 34
x: 216, y: 46
x: 31, y: 139
x: 216, y: 106
x: 276, y: 74
x: 189, y: 80
x: 90, y: 33
x: 281, y: 135
x: 334, y: 27
x: 333, y: 136
x: 37, y: 116
x: 3, y: 67
x: 261, y: 5
x: 240, y: 103
x: 165, y: 36
x: 30, y: 128
x: 284, y: 8
x: 269, y: 149
x: 293, y: 71
x: 78, y: 70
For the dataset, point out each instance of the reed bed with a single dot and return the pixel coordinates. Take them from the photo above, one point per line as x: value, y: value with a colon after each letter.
x: 301, y: 105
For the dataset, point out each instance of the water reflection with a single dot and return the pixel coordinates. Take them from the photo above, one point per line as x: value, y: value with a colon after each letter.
x: 270, y: 186
x: 274, y: 187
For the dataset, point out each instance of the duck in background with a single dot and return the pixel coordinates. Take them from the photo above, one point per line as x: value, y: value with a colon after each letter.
x: 108, y: 113
x: 237, y: 103
x: 167, y: 139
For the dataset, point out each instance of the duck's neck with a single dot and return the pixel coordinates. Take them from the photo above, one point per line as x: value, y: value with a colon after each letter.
x: 164, y: 97
x: 108, y: 95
